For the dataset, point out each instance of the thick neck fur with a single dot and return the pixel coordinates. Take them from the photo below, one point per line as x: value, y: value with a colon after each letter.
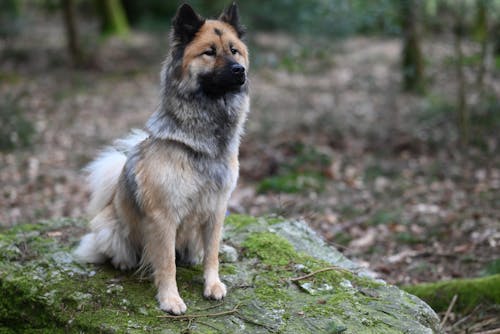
x: 208, y: 125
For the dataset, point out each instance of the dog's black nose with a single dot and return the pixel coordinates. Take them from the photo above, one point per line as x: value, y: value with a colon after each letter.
x: 237, y: 69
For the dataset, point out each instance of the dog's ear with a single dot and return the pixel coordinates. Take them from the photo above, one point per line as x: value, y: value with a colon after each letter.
x: 186, y: 24
x: 231, y: 16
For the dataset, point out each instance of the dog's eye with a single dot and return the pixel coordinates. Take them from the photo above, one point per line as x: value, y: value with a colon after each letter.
x: 210, y: 52
x: 234, y: 51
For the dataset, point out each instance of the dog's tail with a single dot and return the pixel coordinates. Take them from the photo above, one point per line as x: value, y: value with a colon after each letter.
x: 107, y: 239
x: 103, y: 173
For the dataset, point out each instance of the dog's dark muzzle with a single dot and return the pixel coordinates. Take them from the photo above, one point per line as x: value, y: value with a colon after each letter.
x: 238, y: 73
x: 229, y: 78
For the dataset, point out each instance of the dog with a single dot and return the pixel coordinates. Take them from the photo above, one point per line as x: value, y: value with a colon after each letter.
x: 161, y: 194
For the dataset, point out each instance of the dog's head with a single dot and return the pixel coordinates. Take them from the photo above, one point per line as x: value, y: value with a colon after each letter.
x: 208, y: 55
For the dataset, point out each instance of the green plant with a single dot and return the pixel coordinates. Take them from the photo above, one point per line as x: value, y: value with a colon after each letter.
x: 383, y: 217
x: 293, y: 183
x: 303, y: 171
x: 492, y: 268
x: 15, y: 130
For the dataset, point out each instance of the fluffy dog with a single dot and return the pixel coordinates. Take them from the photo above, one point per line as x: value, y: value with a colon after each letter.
x: 164, y: 191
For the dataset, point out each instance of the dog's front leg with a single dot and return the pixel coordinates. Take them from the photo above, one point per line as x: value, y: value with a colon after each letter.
x: 214, y: 288
x: 160, y: 252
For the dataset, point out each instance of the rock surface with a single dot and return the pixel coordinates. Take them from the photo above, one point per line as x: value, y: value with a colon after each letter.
x: 42, y: 288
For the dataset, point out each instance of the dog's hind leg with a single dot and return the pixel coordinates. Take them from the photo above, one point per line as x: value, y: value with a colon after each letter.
x: 108, y: 240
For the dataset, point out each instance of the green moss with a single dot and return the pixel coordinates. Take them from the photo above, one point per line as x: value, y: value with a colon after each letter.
x: 340, y: 300
x: 272, y: 287
x: 336, y: 328
x: 227, y: 269
x: 324, y: 307
x: 17, y: 312
x: 277, y: 252
x: 470, y: 292
x: 353, y: 314
x: 240, y: 221
x: 42, y: 289
x: 272, y: 220
x: 270, y: 248
x: 271, y: 294
x: 24, y: 228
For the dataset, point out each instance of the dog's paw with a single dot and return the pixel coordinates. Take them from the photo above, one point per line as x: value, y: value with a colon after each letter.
x: 173, y: 304
x: 216, y: 290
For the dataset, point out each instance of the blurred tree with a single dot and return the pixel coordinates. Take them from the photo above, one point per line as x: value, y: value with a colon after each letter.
x: 113, y: 19
x: 481, y: 35
x: 157, y: 13
x: 496, y: 39
x: 149, y: 12
x: 72, y: 37
x: 463, y: 117
x: 10, y: 11
x: 211, y: 8
x: 412, y: 61
x: 16, y: 130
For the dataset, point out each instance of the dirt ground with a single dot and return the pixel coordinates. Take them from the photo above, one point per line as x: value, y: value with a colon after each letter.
x: 389, y: 184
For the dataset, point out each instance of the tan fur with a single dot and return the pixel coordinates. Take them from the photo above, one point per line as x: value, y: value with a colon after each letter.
x: 180, y: 212
x: 205, y: 39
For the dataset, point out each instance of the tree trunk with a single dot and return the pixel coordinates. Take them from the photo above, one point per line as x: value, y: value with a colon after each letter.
x: 72, y: 38
x: 482, y: 34
x: 496, y: 40
x: 463, y: 117
x: 10, y: 12
x: 412, y: 61
x: 113, y: 18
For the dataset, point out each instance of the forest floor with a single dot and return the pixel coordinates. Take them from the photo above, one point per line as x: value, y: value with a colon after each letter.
x: 331, y: 139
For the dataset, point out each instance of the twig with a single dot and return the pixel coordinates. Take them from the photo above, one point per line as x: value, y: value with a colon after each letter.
x: 188, y: 327
x: 211, y: 307
x: 194, y: 316
x: 464, y: 319
x: 448, y: 311
x: 491, y: 331
x: 483, y: 324
x: 294, y: 279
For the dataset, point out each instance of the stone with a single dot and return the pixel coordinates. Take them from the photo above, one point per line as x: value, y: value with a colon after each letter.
x: 284, y: 279
x: 228, y: 254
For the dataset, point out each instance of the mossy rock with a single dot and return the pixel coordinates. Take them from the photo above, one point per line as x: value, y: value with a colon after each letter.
x: 43, y: 290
